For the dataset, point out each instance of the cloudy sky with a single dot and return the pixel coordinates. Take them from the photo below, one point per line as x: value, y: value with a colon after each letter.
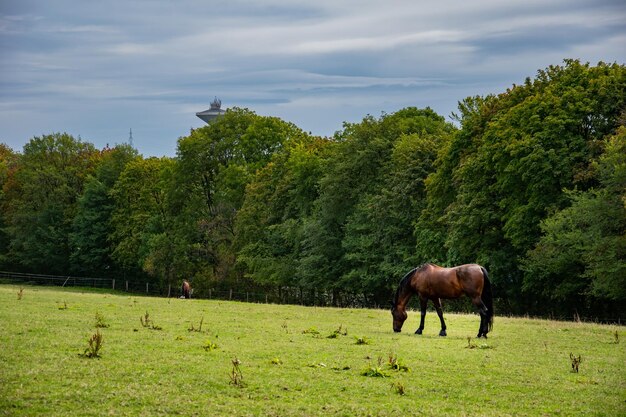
x: 99, y: 68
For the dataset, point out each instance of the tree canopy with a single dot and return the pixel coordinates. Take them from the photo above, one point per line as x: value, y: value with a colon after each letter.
x: 530, y: 182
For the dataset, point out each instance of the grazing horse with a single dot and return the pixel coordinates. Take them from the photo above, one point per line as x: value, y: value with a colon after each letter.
x: 433, y: 282
x: 186, y: 289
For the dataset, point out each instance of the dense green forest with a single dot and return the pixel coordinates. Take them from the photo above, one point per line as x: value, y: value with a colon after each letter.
x: 530, y: 183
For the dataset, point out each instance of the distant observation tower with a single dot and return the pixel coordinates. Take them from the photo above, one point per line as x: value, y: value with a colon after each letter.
x: 213, y: 113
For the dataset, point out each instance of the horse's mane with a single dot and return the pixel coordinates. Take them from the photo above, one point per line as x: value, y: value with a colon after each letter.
x: 406, y: 279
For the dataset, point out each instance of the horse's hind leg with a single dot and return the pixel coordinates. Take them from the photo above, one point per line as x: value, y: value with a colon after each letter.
x: 437, y: 303
x: 423, y: 305
x: 482, y: 311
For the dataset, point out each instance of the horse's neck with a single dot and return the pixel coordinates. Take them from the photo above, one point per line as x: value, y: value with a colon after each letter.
x: 405, y: 295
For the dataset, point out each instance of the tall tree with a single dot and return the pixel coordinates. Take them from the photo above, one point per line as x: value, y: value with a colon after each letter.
x: 42, y: 201
x: 140, y: 214
x: 91, y: 228
x: 582, y: 253
x: 214, y: 165
x: 511, y: 161
x: 269, y: 226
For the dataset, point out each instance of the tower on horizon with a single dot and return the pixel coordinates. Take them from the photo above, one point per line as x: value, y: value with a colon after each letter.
x: 211, y: 114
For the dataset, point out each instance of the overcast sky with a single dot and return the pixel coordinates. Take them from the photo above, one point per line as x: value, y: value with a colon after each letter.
x: 99, y: 68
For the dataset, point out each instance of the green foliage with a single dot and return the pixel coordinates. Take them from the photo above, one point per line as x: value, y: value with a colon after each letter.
x: 209, y: 346
x: 363, y: 340
x: 583, y: 247
x: 507, y: 168
x: 90, y: 237
x: 41, y: 198
x: 100, y: 320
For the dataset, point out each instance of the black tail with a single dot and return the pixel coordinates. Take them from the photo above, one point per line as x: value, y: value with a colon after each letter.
x: 487, y: 297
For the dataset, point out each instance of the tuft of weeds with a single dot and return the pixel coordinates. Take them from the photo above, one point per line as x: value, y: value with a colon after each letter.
x: 363, y: 340
x: 147, y: 322
x: 399, y: 388
x: 209, y: 346
x: 394, y: 364
x: 375, y: 371
x: 311, y: 330
x: 94, y: 345
x: 576, y: 360
x: 193, y: 329
x: 100, y: 321
x: 236, y: 376
x: 340, y: 331
x: 64, y: 306
x: 276, y: 361
x: 472, y: 345
x: 20, y: 293
x: 616, y: 337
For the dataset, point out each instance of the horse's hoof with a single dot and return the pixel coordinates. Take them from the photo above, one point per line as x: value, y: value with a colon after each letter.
x: 442, y: 333
x: 418, y: 331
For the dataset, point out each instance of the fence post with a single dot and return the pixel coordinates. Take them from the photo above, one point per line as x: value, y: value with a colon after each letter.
x: 265, y: 298
x: 230, y: 295
x: 147, y: 287
x: 113, y: 284
x: 209, y: 293
x: 169, y: 290
x: 126, y: 286
x: 247, y: 298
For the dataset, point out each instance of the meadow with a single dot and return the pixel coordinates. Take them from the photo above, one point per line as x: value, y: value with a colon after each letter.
x: 168, y: 357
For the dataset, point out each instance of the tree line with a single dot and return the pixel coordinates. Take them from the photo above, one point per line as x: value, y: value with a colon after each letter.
x: 530, y: 183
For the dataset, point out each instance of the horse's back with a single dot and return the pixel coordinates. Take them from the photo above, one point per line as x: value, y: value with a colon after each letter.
x: 471, y: 278
x: 443, y: 282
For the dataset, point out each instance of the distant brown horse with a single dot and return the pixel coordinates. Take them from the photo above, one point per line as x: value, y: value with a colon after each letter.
x: 186, y: 289
x: 433, y: 282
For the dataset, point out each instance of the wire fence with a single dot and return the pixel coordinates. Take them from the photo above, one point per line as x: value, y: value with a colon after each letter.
x: 279, y: 295
x: 282, y: 295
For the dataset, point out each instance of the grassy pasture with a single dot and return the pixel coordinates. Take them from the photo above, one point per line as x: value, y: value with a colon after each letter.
x: 524, y: 368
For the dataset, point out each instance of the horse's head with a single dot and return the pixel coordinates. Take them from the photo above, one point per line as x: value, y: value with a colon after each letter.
x: 399, y: 316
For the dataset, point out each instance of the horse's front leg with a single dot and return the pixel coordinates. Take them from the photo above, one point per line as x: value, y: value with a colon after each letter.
x: 423, y: 305
x: 437, y: 303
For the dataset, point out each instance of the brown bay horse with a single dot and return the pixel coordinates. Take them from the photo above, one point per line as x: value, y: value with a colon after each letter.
x: 433, y: 282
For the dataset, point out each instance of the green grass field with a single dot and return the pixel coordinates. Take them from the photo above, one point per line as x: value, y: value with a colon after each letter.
x: 289, y: 365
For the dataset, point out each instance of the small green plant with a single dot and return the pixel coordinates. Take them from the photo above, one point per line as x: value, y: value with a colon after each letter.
x: 100, y: 321
x: 64, y: 306
x: 399, y: 388
x: 340, y: 331
x: 209, y: 346
x: 236, y: 376
x: 616, y: 336
x: 94, y: 345
x: 193, y: 329
x: 20, y: 293
x: 576, y: 360
x: 375, y: 371
x: 311, y: 330
x: 394, y: 364
x: 362, y: 340
x: 276, y: 361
